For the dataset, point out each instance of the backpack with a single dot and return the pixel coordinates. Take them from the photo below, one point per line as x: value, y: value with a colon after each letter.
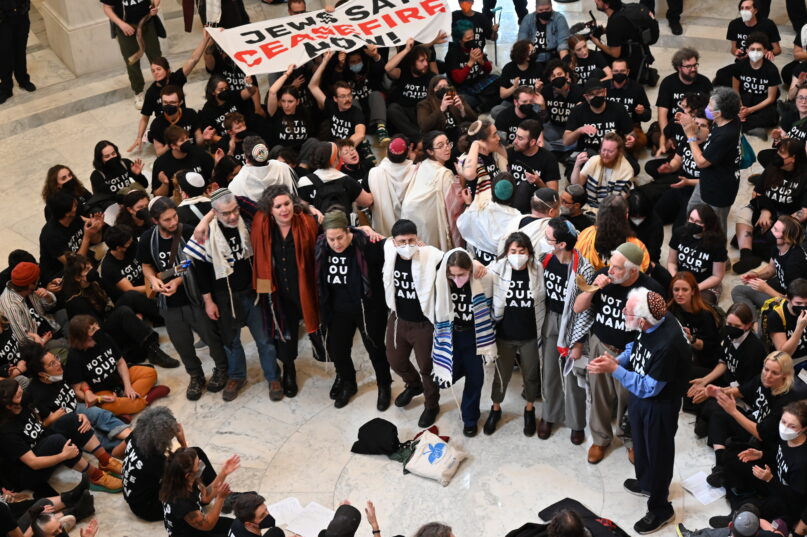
x: 326, y: 195
x: 643, y: 22
x: 775, y: 304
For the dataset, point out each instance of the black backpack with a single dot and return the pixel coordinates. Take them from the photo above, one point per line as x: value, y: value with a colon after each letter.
x: 326, y: 195
x: 643, y: 22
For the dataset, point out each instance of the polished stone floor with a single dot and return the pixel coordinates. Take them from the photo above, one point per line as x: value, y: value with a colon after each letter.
x: 301, y: 447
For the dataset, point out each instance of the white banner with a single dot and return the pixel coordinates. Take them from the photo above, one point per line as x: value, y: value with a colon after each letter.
x: 271, y: 46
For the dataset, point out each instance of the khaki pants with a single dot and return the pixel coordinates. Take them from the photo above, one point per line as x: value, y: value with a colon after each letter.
x: 604, y: 394
x: 564, y: 401
x: 530, y: 369
x: 403, y: 337
x: 143, y: 379
x: 128, y: 46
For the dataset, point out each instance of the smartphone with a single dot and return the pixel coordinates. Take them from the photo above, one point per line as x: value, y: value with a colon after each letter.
x: 451, y: 92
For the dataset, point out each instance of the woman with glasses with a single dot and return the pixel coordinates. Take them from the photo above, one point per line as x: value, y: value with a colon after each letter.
x: 444, y: 109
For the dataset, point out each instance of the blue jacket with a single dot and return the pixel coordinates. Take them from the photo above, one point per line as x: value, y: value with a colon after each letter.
x: 557, y: 34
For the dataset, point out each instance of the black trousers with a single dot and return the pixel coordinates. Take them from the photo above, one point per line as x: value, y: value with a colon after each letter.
x: 13, y: 42
x: 766, y: 118
x: 372, y: 325
x: 129, y: 332
x: 287, y: 346
x: 674, y: 8
x: 796, y: 12
x: 654, y: 423
x: 140, y: 303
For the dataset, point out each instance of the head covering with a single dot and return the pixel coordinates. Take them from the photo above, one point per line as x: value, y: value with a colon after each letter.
x: 547, y: 195
x: 219, y: 193
x: 397, y: 146
x: 631, y: 252
x: 592, y: 84
x: 334, y: 220
x: 345, y: 522
x: 255, y: 149
x: 154, y: 199
x: 656, y: 305
x: 24, y: 274
x: 503, y: 189
x: 745, y: 524
x: 192, y: 184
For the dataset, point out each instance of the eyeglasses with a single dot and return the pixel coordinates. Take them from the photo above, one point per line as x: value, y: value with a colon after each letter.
x: 438, y: 147
x: 234, y: 212
x: 690, y: 66
x: 801, y: 98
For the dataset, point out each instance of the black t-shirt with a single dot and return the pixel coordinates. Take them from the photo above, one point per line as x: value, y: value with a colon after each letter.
x: 511, y: 71
x: 613, y: 118
x: 507, y: 122
x: 213, y: 114
x: 412, y: 89
x: 703, y: 326
x: 791, y: 469
x: 543, y: 163
x: 407, y: 305
x: 785, y: 198
x: 766, y: 408
x: 663, y: 355
x: 341, y: 124
x: 463, y: 306
x: 738, y: 31
x: 97, y: 365
x: 581, y: 221
x: 518, y: 322
x: 794, y: 126
x: 131, y: 11
x: 237, y: 528
x: 226, y: 68
x: 7, y: 520
x: 152, y: 105
x: 51, y: 397
x: 54, y: 241
x: 174, y: 515
x: 754, y: 83
x: 775, y: 326
x: 180, y: 298
x: 743, y: 362
x: 558, y: 106
x: 338, y: 278
x: 672, y: 90
x: 585, y: 66
x: 630, y: 95
x: 9, y: 351
x: 42, y: 324
x: 619, y: 31
x: 289, y: 131
x: 187, y: 213
x: 721, y: 180
x: 349, y: 187
x: 189, y: 120
x: 114, y: 176
x: 608, y: 303
x: 113, y: 271
x: 539, y: 38
x: 693, y: 256
x: 555, y: 276
x: 20, y: 434
x: 483, y: 28
x: 196, y: 160
x: 789, y: 266
x: 141, y: 476
x: 688, y: 167
x: 239, y: 280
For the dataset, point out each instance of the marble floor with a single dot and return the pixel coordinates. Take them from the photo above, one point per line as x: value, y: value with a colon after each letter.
x: 301, y: 447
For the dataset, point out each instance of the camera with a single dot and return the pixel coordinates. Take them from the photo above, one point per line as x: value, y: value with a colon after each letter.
x: 588, y: 28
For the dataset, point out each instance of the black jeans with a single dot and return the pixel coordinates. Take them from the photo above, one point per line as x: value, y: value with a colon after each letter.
x: 140, y: 303
x: 372, y: 326
x: 129, y: 332
x: 13, y: 42
x: 674, y: 8
x: 287, y: 346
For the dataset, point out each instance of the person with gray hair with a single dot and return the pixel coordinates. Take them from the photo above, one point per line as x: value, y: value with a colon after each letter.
x: 654, y: 369
x: 718, y: 159
x: 225, y: 283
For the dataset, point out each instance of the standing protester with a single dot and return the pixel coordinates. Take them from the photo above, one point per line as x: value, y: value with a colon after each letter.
x: 14, y: 26
x: 412, y: 85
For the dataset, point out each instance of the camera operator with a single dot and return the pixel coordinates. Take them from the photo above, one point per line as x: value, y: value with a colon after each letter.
x: 618, y: 33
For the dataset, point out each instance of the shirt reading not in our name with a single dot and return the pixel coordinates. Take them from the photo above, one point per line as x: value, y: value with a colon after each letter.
x: 407, y: 304
x: 463, y: 306
x: 518, y: 321
x: 555, y: 277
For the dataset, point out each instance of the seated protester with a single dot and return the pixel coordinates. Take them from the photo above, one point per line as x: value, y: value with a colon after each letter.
x: 612, y: 217
x: 784, y: 323
x: 99, y: 375
x: 146, y: 451
x: 25, y: 304
x: 84, y: 297
x: 793, y: 124
x: 469, y: 68
x: 692, y: 104
x: 518, y: 310
x: 232, y: 142
x: 352, y: 163
x: 388, y: 183
x: 154, y: 99
x: 757, y: 81
x: 112, y: 172
x: 764, y: 396
x: 585, y: 62
x: 219, y: 64
x: 739, y: 359
x: 53, y: 398
x: 780, y: 190
x: 590, y: 120
x: 749, y: 22
x: 520, y: 71
x: 195, y: 203
x: 487, y: 218
x: 409, y: 70
x: 252, y: 516
x: 289, y: 119
x: 444, y: 109
x: 645, y: 224
x: 60, y: 177
x: 788, y: 262
x: 182, y: 155
x: 326, y: 186
x: 700, y: 322
x: 120, y: 270
x: 134, y: 212
x: 532, y: 166
x: 220, y: 100
x: 225, y: 170
x: 606, y: 173
x: 481, y: 23
x: 485, y: 157
x: 561, y: 95
x: 12, y: 364
x: 174, y: 112
x: 65, y: 232
x: 341, y: 118
x: 526, y: 105
x: 630, y: 94
x: 32, y: 453
x: 260, y: 171
x: 183, y: 493
x: 572, y: 200
x: 699, y: 247
x: 795, y: 72
x: 547, y: 29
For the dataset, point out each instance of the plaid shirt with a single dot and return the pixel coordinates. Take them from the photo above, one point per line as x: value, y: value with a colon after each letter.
x: 14, y: 307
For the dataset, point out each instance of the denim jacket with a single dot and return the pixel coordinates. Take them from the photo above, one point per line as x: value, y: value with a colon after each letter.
x: 557, y: 34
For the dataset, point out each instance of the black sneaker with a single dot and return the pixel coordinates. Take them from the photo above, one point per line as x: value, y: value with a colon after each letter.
x: 28, y: 86
x: 681, y: 531
x: 470, y: 430
x: 717, y: 477
x: 336, y: 387
x: 720, y: 521
x: 158, y: 357
x: 701, y: 427
x: 652, y: 522
x: 529, y: 422
x: 405, y: 397
x: 632, y: 486
x: 384, y: 398
x: 195, y: 388
x: 73, y: 496
x: 217, y: 381
x: 347, y: 391
x: 675, y: 27
x: 493, y: 418
x: 428, y: 417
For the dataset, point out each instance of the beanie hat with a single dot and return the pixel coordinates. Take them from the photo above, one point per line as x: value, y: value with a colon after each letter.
x: 631, y: 252
x: 24, y: 274
x: 192, y: 184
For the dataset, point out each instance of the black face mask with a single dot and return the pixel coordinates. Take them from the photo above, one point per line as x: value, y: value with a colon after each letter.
x: 170, y: 109
x: 142, y: 214
x: 559, y: 82
x: 226, y: 95
x: 526, y: 109
x: 797, y: 309
x: 693, y: 228
x: 113, y: 165
x: 619, y: 78
x: 267, y: 522
x: 545, y: 16
x: 470, y: 45
x: 597, y: 101
x: 239, y: 136
x: 69, y: 185
x: 777, y: 160
x: 186, y: 146
x: 93, y: 276
x: 733, y: 332
x: 441, y: 93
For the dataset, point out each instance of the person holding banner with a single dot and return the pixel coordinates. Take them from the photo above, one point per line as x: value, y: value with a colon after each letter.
x: 290, y: 122
x: 340, y: 116
x: 411, y: 88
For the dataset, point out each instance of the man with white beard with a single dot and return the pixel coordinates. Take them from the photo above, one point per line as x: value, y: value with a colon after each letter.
x: 225, y: 282
x: 654, y: 369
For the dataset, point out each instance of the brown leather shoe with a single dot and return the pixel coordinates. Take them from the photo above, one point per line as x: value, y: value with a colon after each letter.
x: 596, y: 453
x: 577, y: 437
x: 630, y: 455
x: 544, y: 429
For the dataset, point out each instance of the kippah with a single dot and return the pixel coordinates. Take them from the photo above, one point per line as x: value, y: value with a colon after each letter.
x: 656, y: 305
x: 219, y: 193
x: 503, y: 190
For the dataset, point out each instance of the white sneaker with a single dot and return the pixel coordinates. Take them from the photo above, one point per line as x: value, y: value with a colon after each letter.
x: 138, y: 100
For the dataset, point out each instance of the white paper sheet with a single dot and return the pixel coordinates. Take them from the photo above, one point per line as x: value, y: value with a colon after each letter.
x: 285, y: 511
x: 313, y: 519
x: 697, y: 486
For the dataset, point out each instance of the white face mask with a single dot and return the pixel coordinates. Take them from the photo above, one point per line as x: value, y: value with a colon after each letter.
x: 517, y: 261
x: 55, y: 378
x: 546, y: 248
x: 637, y: 220
x: 745, y: 15
x: 407, y: 251
x: 786, y: 433
x: 564, y: 211
x: 755, y: 55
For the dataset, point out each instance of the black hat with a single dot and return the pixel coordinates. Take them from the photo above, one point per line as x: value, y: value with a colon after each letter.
x: 592, y: 84
x: 345, y: 522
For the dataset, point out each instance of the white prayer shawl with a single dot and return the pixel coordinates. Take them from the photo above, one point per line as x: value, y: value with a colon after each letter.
x: 425, y: 204
x: 216, y: 250
x: 424, y: 272
x: 388, y: 184
x: 251, y: 181
x: 502, y: 275
x: 535, y: 230
x: 482, y: 225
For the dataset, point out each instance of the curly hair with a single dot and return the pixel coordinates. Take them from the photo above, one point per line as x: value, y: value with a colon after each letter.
x: 155, y: 431
x: 612, y: 225
x: 271, y: 192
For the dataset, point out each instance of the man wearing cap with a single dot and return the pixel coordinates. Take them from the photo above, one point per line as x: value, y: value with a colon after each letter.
x: 745, y: 523
x: 572, y: 200
x: 182, y: 155
x: 345, y: 522
x: 544, y: 206
x: 607, y: 333
x: 532, y: 166
x: 654, y: 369
x: 195, y: 204
x: 590, y: 120
x: 389, y: 182
x: 225, y: 282
x: 260, y: 171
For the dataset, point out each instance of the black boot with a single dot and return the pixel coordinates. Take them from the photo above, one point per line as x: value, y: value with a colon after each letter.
x: 493, y: 419
x: 73, y: 496
x: 529, y: 422
x: 747, y: 261
x: 84, y: 509
x: 289, y: 379
x: 336, y: 388
x: 405, y: 397
x: 717, y: 477
x: 384, y: 397
x: 347, y: 391
x: 157, y: 356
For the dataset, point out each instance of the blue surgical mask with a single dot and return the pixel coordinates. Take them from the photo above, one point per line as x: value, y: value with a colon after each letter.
x: 356, y: 67
x: 709, y: 114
